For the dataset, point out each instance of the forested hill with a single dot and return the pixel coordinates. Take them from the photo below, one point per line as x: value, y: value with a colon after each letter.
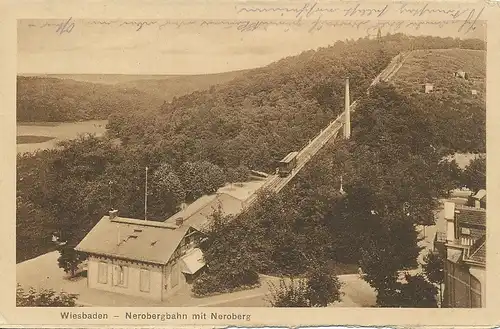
x: 167, y: 87
x: 194, y: 144
x: 456, y: 107
x: 54, y: 99
x: 88, y: 97
x: 256, y: 119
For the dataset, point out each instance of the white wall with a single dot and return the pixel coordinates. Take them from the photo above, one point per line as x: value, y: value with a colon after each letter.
x: 133, y: 281
x: 480, y: 274
x: 168, y: 288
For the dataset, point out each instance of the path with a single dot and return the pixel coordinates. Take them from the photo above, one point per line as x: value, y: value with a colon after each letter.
x: 43, y: 272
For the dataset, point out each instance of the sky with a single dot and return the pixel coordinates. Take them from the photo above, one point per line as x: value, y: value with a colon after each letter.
x: 123, y: 47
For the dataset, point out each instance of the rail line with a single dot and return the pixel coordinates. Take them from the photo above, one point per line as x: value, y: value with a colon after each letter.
x: 275, y: 183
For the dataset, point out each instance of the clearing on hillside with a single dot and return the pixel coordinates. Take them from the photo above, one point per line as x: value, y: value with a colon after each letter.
x: 437, y: 67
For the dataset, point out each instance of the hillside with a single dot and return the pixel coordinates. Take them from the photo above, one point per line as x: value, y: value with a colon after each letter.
x: 194, y: 144
x: 257, y: 118
x: 437, y: 66
x: 168, y: 87
x: 458, y: 115
x: 51, y: 99
x: 94, y: 97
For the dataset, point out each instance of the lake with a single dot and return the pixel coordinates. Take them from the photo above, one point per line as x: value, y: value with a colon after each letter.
x: 33, y: 136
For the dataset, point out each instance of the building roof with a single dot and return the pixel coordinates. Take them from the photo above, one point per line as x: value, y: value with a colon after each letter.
x: 289, y: 157
x: 481, y: 194
x: 471, y: 216
x: 199, y: 215
x: 477, y: 252
x: 133, y: 239
x: 242, y: 191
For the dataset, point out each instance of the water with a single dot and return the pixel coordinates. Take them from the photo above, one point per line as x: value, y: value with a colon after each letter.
x: 59, y: 131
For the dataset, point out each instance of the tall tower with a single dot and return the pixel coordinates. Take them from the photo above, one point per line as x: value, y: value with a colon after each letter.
x: 347, y: 114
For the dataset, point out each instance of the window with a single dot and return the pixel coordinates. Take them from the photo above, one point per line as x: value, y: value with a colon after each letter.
x: 102, y: 272
x: 120, y: 275
x: 465, y: 231
x: 144, y: 278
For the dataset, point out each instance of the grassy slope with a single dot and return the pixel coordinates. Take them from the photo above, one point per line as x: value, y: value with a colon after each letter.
x: 437, y: 67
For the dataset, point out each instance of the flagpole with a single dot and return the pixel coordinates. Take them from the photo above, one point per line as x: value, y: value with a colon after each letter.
x: 146, y: 197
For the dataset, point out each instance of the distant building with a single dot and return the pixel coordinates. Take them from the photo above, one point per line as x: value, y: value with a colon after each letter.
x: 463, y: 246
x: 461, y: 74
x: 428, y: 87
x: 478, y: 200
x: 473, y: 92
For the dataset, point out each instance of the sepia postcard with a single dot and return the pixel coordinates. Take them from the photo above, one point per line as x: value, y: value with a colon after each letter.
x: 249, y: 163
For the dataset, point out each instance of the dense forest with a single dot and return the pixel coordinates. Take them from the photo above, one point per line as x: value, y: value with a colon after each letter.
x: 71, y: 98
x: 392, y: 180
x: 198, y: 142
x: 41, y: 99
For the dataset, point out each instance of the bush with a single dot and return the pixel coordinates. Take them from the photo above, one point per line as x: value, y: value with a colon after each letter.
x: 44, y: 298
x: 294, y: 294
x: 211, y: 283
x: 323, y: 287
x: 70, y: 259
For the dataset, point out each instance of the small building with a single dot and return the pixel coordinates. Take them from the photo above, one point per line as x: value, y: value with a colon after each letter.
x: 141, y: 258
x: 479, y: 199
x: 461, y: 74
x: 428, y: 87
x: 464, y: 253
x: 473, y: 92
x: 155, y: 259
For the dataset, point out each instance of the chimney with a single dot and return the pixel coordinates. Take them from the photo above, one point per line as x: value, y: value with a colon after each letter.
x: 179, y: 221
x: 347, y: 114
x: 113, y: 213
x: 449, y: 216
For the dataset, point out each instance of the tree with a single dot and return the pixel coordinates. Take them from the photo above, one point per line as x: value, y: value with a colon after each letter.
x: 323, y: 287
x: 200, y: 177
x: 167, y: 192
x: 434, y: 270
x: 416, y: 292
x: 70, y: 259
x: 44, y: 298
x: 293, y: 294
x: 474, y: 175
x: 383, y: 256
x: 229, y: 267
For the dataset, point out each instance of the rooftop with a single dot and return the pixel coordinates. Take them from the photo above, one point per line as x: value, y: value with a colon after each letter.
x: 198, y: 215
x: 480, y: 195
x: 289, y: 157
x: 477, y: 252
x: 471, y: 215
x: 133, y: 239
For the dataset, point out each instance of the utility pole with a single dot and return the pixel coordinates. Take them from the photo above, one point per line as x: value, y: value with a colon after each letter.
x: 110, y: 197
x: 347, y: 114
x: 146, y: 197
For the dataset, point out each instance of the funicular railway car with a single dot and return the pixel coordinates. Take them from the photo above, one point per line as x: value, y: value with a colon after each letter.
x: 288, y: 163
